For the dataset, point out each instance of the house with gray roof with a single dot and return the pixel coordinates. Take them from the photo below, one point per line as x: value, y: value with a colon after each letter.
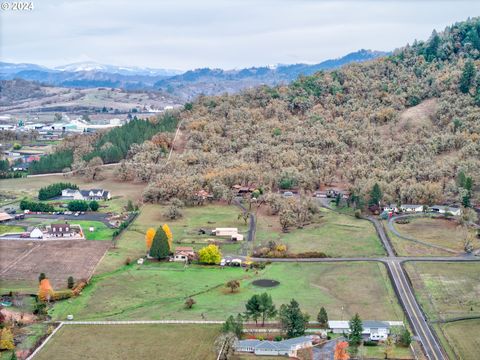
x: 441, y: 209
x: 373, y: 329
x: 287, y: 347
x: 88, y: 195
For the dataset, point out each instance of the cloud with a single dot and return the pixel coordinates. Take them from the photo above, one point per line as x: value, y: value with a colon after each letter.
x: 217, y: 33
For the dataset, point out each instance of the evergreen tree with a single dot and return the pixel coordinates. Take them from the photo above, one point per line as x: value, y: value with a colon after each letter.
x: 468, y: 76
x: 375, y: 195
x: 267, y: 308
x: 432, y: 48
x: 160, y: 248
x: 233, y: 325
x: 405, y: 338
x: 292, y: 319
x: 41, y: 277
x: 252, y: 308
x: 355, y: 335
x: 322, y: 318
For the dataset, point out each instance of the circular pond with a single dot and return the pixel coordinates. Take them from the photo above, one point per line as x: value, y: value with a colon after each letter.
x: 267, y: 283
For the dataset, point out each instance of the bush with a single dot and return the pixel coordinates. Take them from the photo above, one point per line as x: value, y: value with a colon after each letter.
x: 70, y: 282
x: 54, y: 190
x: 128, y: 261
x: 358, y: 214
x: 61, y: 295
x: 370, y: 343
x: 78, y: 205
x: 35, y: 206
x: 93, y: 205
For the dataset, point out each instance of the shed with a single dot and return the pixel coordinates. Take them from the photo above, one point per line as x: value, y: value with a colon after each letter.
x: 4, y: 217
x: 36, y: 233
x: 225, y: 231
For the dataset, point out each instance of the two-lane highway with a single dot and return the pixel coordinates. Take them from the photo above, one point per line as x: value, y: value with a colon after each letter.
x: 420, y: 326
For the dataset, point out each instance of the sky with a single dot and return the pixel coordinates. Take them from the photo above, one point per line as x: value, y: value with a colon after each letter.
x: 189, y: 34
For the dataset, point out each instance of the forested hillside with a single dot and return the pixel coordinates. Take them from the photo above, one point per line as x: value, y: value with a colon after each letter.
x: 90, y: 150
x: 410, y: 122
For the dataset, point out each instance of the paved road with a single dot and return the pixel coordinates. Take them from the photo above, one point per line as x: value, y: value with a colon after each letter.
x: 326, y: 351
x: 422, y: 330
x: 382, y: 235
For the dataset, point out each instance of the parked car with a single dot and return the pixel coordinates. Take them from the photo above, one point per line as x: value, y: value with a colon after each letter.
x: 25, y: 235
x: 287, y: 194
x: 77, y: 213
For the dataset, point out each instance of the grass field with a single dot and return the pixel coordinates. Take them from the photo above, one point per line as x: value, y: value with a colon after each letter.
x: 100, y: 232
x: 446, y: 290
x: 460, y: 338
x: 5, y: 229
x: 131, y: 243
x: 436, y: 231
x: 187, y: 342
x: 337, y: 235
x: 121, y: 191
x: 377, y: 352
x: 405, y: 247
x: 158, y: 291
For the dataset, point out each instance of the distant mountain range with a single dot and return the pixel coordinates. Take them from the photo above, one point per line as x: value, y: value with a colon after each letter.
x: 184, y: 85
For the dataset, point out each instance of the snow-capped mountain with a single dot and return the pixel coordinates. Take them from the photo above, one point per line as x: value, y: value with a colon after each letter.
x: 113, y: 69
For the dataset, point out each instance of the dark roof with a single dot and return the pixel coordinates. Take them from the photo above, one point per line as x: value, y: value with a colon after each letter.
x: 60, y: 227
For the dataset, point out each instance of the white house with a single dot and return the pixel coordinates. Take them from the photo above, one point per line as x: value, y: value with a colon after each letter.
x: 183, y: 253
x: 411, y: 208
x: 232, y: 233
x: 390, y: 208
x: 375, y: 330
x: 288, y: 347
x: 91, y: 194
x: 446, y: 209
x: 36, y: 233
x: 225, y: 231
x: 71, y: 194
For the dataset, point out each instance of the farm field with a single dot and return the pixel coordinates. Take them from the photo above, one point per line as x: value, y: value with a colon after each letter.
x: 337, y: 235
x: 405, y: 247
x: 131, y: 243
x: 132, y: 342
x: 22, y: 261
x: 159, y: 290
x: 436, y: 231
x: 5, y: 229
x: 446, y: 290
x: 460, y: 338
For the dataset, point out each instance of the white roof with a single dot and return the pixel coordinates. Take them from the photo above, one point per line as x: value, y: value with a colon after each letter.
x: 338, y: 324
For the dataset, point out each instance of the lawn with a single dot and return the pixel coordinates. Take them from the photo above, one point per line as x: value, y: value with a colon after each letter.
x: 446, y: 290
x: 437, y: 231
x: 100, y: 232
x: 377, y: 352
x: 131, y: 243
x: 337, y: 235
x: 460, y: 338
x: 5, y: 229
x: 188, y: 342
x: 158, y: 291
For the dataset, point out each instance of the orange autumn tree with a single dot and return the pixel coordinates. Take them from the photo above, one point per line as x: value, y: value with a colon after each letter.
x: 45, y: 290
x: 341, y: 351
x: 150, y: 234
x: 169, y: 234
